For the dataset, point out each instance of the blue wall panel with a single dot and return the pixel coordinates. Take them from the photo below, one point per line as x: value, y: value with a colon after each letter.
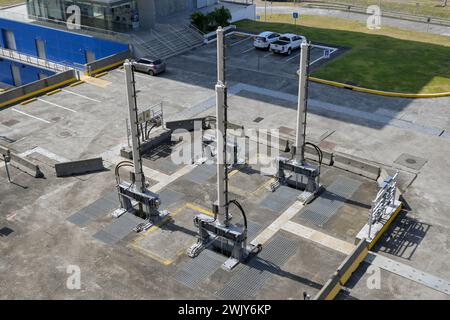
x: 61, y: 46
x: 27, y: 73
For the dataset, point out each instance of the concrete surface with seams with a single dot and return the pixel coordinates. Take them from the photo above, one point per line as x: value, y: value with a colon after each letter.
x: 375, y: 128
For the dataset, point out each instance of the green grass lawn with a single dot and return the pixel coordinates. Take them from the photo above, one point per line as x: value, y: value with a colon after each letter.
x: 4, y: 3
x: 431, y: 8
x: 389, y: 59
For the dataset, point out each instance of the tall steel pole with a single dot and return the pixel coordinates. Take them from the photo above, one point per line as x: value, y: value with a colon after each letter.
x: 302, y: 97
x: 221, y: 118
x: 133, y: 115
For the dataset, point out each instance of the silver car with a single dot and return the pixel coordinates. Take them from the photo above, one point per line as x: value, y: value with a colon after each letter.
x: 150, y: 66
x: 264, y: 39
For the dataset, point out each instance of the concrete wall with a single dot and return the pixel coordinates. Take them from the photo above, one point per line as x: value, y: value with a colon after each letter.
x: 27, y: 73
x: 61, y: 46
x: 246, y: 12
x: 38, y: 87
x: 107, y: 62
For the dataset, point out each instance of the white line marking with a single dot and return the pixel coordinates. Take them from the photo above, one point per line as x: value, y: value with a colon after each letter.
x: 293, y: 57
x: 273, y: 228
x: 80, y: 95
x: 44, y: 152
x: 270, y: 53
x: 30, y: 115
x: 240, y: 41
x: 57, y: 105
x: 252, y: 48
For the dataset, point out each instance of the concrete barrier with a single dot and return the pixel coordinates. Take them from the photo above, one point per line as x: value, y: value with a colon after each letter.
x: 356, y: 165
x: 36, y: 88
x: 311, y: 153
x: 343, y: 273
x: 66, y: 169
x: 107, y: 63
x: 22, y: 164
x: 186, y: 124
x: 156, y: 138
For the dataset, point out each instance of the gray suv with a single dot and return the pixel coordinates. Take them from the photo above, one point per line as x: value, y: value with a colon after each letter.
x: 150, y: 66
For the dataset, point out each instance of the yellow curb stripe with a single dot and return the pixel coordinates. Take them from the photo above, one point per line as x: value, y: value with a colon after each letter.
x: 100, y: 74
x: 76, y: 83
x: 379, y: 92
x: 53, y: 92
x: 111, y: 66
x: 28, y: 101
x: 37, y: 92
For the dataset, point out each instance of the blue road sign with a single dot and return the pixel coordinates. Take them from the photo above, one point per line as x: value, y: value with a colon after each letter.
x: 295, y: 15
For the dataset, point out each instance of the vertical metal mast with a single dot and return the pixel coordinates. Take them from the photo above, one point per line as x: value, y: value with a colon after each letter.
x: 133, y: 114
x: 221, y: 118
x: 301, y: 111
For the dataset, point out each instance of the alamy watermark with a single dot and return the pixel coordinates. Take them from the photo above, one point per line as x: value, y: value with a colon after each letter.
x: 374, y: 20
x: 74, y: 19
x: 74, y: 279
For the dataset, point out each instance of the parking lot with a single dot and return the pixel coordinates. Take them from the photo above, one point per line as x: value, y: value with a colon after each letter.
x: 89, y: 121
x: 241, y: 52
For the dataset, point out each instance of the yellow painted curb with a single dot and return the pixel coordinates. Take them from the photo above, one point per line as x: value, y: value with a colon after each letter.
x: 53, y: 92
x: 28, y: 101
x: 100, y: 74
x: 76, y: 83
x: 111, y: 66
x: 379, y: 92
x: 385, y: 227
x: 37, y: 92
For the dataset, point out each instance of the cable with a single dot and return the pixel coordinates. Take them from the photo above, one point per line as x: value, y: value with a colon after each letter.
x: 237, y: 204
x: 318, y: 150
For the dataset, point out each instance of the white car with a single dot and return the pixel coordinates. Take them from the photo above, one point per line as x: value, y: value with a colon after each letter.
x: 287, y: 43
x: 264, y: 39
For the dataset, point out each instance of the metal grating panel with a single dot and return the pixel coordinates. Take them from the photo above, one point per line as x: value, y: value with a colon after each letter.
x: 95, y: 210
x: 329, y: 202
x: 246, y: 282
x: 196, y: 270
x: 119, y: 229
x: 279, y: 200
x: 201, y: 173
x: 253, y: 229
x: 169, y: 197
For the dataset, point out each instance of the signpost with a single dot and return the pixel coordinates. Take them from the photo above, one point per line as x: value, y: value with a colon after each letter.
x: 295, y: 15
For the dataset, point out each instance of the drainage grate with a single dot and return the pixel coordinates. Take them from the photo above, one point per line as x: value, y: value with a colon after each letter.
x: 246, y: 282
x: 258, y: 120
x: 253, y: 229
x: 95, y: 210
x: 119, y: 229
x: 279, y: 200
x: 201, y: 173
x: 329, y: 202
x: 5, y: 231
x: 196, y: 270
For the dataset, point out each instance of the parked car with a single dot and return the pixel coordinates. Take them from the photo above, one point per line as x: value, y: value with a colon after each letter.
x: 150, y: 66
x: 287, y: 43
x: 264, y: 39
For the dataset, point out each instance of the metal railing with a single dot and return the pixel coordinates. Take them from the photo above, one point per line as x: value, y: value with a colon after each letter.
x: 353, y: 8
x: 43, y: 63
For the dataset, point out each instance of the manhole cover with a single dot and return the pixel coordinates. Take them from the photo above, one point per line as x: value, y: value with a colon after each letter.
x: 65, y: 134
x: 410, y: 161
x: 10, y: 123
